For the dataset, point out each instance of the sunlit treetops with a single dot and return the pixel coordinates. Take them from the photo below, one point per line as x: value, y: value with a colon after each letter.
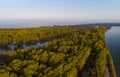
x: 74, y: 55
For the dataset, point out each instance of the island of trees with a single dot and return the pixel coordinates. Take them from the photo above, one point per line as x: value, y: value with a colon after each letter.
x: 74, y: 51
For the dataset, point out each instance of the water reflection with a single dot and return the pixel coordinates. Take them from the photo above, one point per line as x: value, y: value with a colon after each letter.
x: 13, y: 47
x: 113, y: 40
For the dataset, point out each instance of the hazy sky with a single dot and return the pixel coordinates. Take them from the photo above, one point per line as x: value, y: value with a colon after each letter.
x: 59, y: 10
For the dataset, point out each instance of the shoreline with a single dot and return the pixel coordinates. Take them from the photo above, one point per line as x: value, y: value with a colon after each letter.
x: 110, y: 63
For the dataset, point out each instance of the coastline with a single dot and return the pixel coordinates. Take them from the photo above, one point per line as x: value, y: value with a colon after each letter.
x: 110, y: 63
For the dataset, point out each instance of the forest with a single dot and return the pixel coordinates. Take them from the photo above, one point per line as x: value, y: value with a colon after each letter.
x: 20, y: 35
x: 81, y: 52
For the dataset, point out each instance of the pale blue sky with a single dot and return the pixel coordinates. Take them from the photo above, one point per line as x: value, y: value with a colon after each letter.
x: 61, y: 10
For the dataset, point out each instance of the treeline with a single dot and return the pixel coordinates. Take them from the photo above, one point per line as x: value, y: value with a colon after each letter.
x: 110, y: 65
x: 20, y: 35
x: 75, y: 55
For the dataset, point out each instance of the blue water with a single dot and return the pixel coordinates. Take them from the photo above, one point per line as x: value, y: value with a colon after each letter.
x: 113, y: 40
x: 30, y: 24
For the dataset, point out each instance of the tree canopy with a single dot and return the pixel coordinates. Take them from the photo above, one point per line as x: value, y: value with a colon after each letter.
x: 78, y: 54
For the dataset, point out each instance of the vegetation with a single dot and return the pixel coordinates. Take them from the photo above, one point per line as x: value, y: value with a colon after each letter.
x: 78, y: 54
x: 20, y: 35
x: 110, y: 65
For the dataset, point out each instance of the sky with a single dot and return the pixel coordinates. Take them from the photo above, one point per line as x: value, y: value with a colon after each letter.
x: 76, y: 11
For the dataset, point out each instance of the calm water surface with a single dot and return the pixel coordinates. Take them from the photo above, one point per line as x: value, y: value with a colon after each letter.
x: 12, y: 47
x: 113, y: 40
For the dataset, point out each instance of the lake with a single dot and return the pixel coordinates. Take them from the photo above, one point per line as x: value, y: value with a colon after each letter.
x: 113, y: 40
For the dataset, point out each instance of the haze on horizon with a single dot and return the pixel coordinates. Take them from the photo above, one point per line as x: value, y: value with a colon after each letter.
x: 59, y: 11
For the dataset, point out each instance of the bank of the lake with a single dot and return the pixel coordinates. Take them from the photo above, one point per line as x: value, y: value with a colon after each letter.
x: 110, y: 69
x: 113, y: 41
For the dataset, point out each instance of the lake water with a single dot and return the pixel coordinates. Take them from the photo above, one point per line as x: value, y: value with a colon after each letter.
x: 19, y: 25
x: 27, y: 25
x: 113, y: 40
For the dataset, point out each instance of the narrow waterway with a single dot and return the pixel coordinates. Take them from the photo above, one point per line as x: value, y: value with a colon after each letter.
x: 13, y: 47
x: 113, y: 40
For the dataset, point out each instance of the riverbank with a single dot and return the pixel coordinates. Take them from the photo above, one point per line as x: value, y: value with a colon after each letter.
x: 110, y: 69
x: 12, y: 39
x: 110, y: 65
x: 28, y: 44
x: 113, y: 41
